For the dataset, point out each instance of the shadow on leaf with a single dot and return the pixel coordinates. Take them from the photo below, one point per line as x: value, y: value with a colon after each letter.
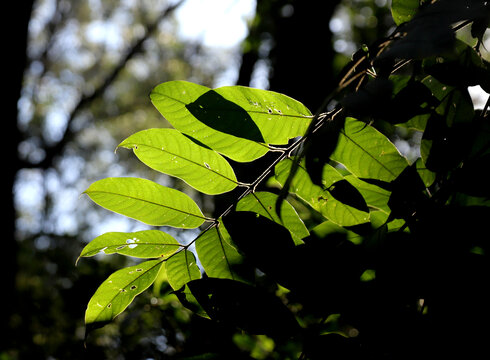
x: 223, y: 115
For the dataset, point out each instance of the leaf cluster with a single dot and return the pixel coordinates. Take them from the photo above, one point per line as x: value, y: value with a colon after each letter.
x: 353, y: 249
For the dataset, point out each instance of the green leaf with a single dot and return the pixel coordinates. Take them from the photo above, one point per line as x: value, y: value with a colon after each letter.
x: 140, y: 244
x: 376, y: 197
x: 146, y: 201
x: 119, y: 290
x: 182, y: 268
x: 170, y: 152
x: 278, y: 117
x: 403, y: 10
x: 367, y: 153
x: 187, y: 299
x: 219, y: 258
x: 319, y: 198
x: 328, y: 228
x: 427, y: 176
x: 172, y: 99
x: 235, y: 121
x: 264, y: 203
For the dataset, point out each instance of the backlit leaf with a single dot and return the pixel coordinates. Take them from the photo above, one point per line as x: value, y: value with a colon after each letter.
x: 182, y: 268
x: 217, y: 255
x: 140, y: 244
x: 119, y: 290
x: 367, y: 153
x: 235, y: 121
x: 146, y: 201
x: 172, y: 100
x: 170, y: 152
x: 264, y: 203
x: 319, y: 198
x: 278, y: 117
x: 376, y: 197
x: 403, y: 10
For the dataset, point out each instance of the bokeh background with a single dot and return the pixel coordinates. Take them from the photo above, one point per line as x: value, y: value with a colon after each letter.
x: 79, y: 75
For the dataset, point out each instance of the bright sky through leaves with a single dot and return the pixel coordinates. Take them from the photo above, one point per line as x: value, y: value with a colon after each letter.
x: 218, y: 23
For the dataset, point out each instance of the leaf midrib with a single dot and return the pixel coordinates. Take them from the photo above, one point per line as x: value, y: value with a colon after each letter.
x: 248, y: 111
x: 221, y: 239
x: 188, y: 160
x: 125, y: 286
x: 147, y: 201
x: 98, y: 249
x: 368, y: 153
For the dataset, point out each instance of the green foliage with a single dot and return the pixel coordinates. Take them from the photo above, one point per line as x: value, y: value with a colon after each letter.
x: 170, y: 152
x: 146, y: 201
x: 119, y: 290
x: 235, y: 121
x: 403, y: 10
x: 264, y: 203
x: 371, y: 228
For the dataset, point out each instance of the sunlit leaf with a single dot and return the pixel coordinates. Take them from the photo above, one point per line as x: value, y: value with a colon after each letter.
x: 278, y: 117
x: 182, y: 268
x: 170, y: 152
x: 146, y: 201
x: 319, y: 198
x: 403, y: 10
x: 264, y: 203
x: 367, y: 153
x: 217, y: 255
x: 140, y: 244
x: 376, y: 197
x: 119, y: 290
x: 235, y: 121
x: 427, y: 176
x: 172, y: 99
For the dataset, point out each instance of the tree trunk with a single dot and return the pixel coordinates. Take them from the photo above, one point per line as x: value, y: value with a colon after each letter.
x: 15, y: 57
